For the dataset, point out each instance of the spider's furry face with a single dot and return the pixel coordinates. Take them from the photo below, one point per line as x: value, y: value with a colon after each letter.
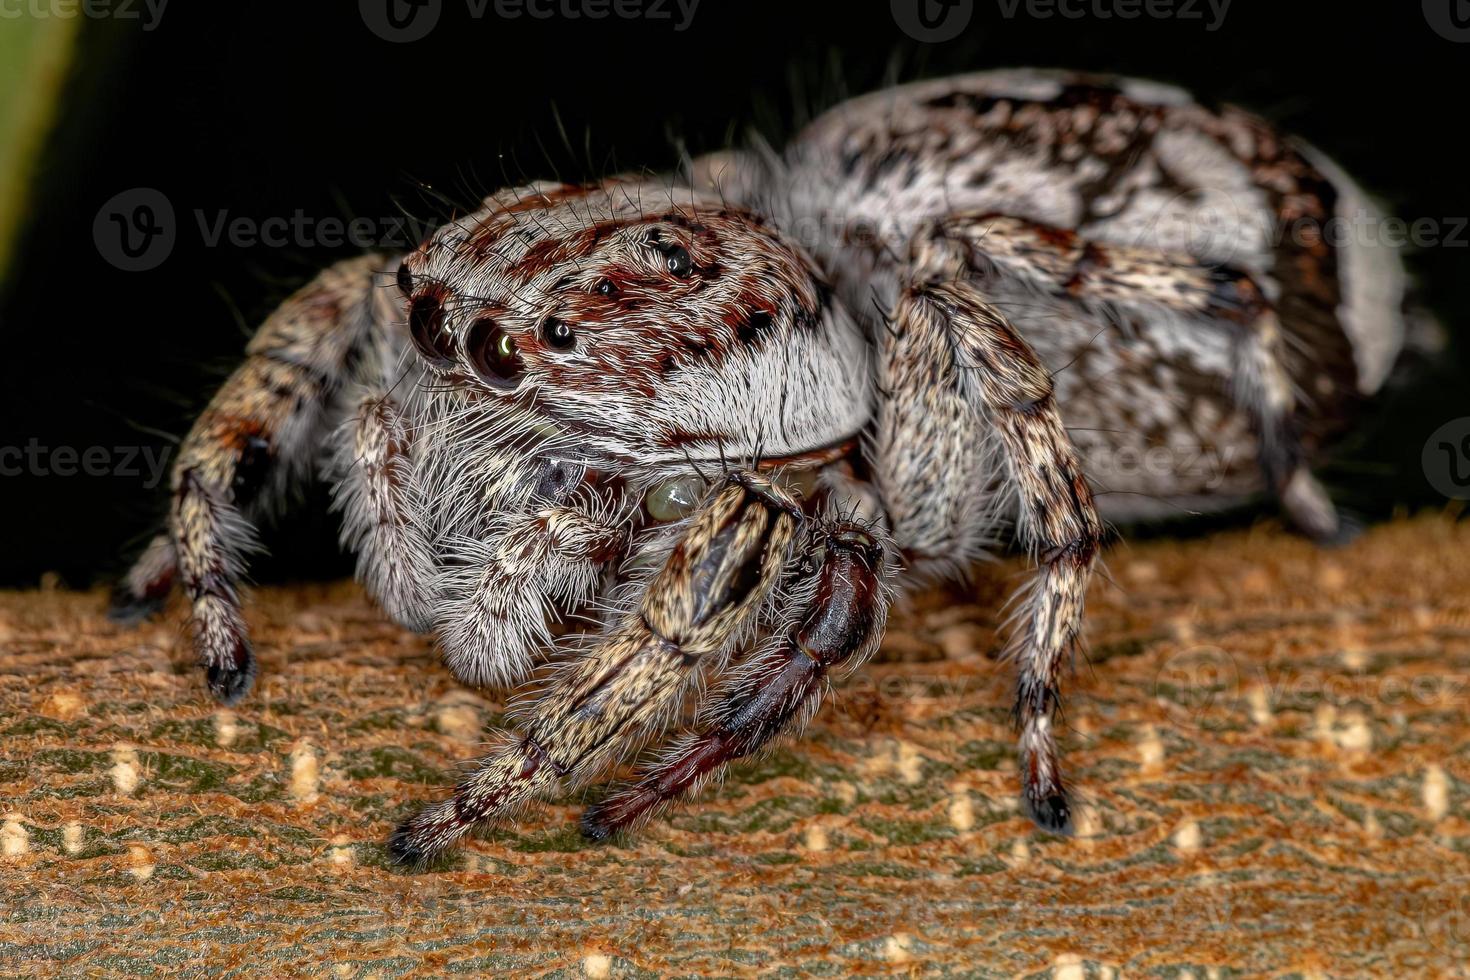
x: 664, y: 325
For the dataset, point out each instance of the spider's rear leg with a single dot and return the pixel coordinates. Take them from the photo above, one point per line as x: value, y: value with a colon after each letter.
x: 955, y: 372
x: 835, y: 619
x: 706, y: 597
x: 1123, y: 281
x: 264, y: 426
x: 146, y: 586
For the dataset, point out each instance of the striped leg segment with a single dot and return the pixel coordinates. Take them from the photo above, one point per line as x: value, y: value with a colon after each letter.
x: 704, y: 600
x: 837, y: 618
x: 1123, y: 281
x: 262, y: 429
x: 998, y: 374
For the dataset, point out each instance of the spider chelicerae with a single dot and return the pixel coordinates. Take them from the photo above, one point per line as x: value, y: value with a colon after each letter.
x: 721, y: 418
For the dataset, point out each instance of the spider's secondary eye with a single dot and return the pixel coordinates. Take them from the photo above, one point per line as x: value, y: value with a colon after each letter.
x: 405, y: 279
x: 677, y: 261
x: 606, y: 287
x: 493, y: 354
x: 557, y: 333
x: 426, y: 329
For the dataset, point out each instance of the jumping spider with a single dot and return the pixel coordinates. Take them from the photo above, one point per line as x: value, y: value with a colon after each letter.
x: 723, y: 417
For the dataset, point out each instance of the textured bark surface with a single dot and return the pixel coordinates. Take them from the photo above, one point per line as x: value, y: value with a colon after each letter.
x: 1271, y: 739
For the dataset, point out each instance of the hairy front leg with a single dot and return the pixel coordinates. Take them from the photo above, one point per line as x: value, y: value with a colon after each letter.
x: 954, y: 371
x: 498, y: 594
x: 705, y: 598
x: 381, y: 500
x: 263, y: 427
x: 833, y: 621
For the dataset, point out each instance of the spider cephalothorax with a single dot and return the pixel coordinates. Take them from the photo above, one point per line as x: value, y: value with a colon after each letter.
x: 640, y: 406
x: 651, y: 321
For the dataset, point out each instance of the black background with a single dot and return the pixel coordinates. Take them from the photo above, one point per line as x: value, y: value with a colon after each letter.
x: 261, y: 109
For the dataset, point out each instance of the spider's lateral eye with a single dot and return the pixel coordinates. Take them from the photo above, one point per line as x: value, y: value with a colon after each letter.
x: 405, y: 280
x: 558, y: 333
x: 677, y: 261
x: 606, y: 287
x: 493, y: 354
x: 426, y: 330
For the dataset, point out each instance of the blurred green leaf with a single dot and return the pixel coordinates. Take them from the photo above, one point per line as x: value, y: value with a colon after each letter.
x: 35, y: 56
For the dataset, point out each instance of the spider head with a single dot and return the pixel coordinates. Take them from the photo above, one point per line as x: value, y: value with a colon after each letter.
x: 660, y: 323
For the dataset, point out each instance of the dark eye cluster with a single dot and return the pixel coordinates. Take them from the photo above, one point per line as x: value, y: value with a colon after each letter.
x: 490, y: 350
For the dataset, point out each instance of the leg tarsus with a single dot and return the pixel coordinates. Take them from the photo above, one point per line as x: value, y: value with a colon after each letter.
x: 124, y: 608
x: 1052, y: 813
x: 1310, y: 509
x: 231, y: 682
x: 1349, y: 528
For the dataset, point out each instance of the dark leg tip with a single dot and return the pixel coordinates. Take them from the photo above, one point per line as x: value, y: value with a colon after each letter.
x: 229, y: 684
x: 1349, y: 528
x: 128, y: 609
x: 404, y: 850
x: 595, y: 825
x: 1052, y: 814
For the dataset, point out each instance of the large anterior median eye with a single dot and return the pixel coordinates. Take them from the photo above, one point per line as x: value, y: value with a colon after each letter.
x: 493, y: 353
